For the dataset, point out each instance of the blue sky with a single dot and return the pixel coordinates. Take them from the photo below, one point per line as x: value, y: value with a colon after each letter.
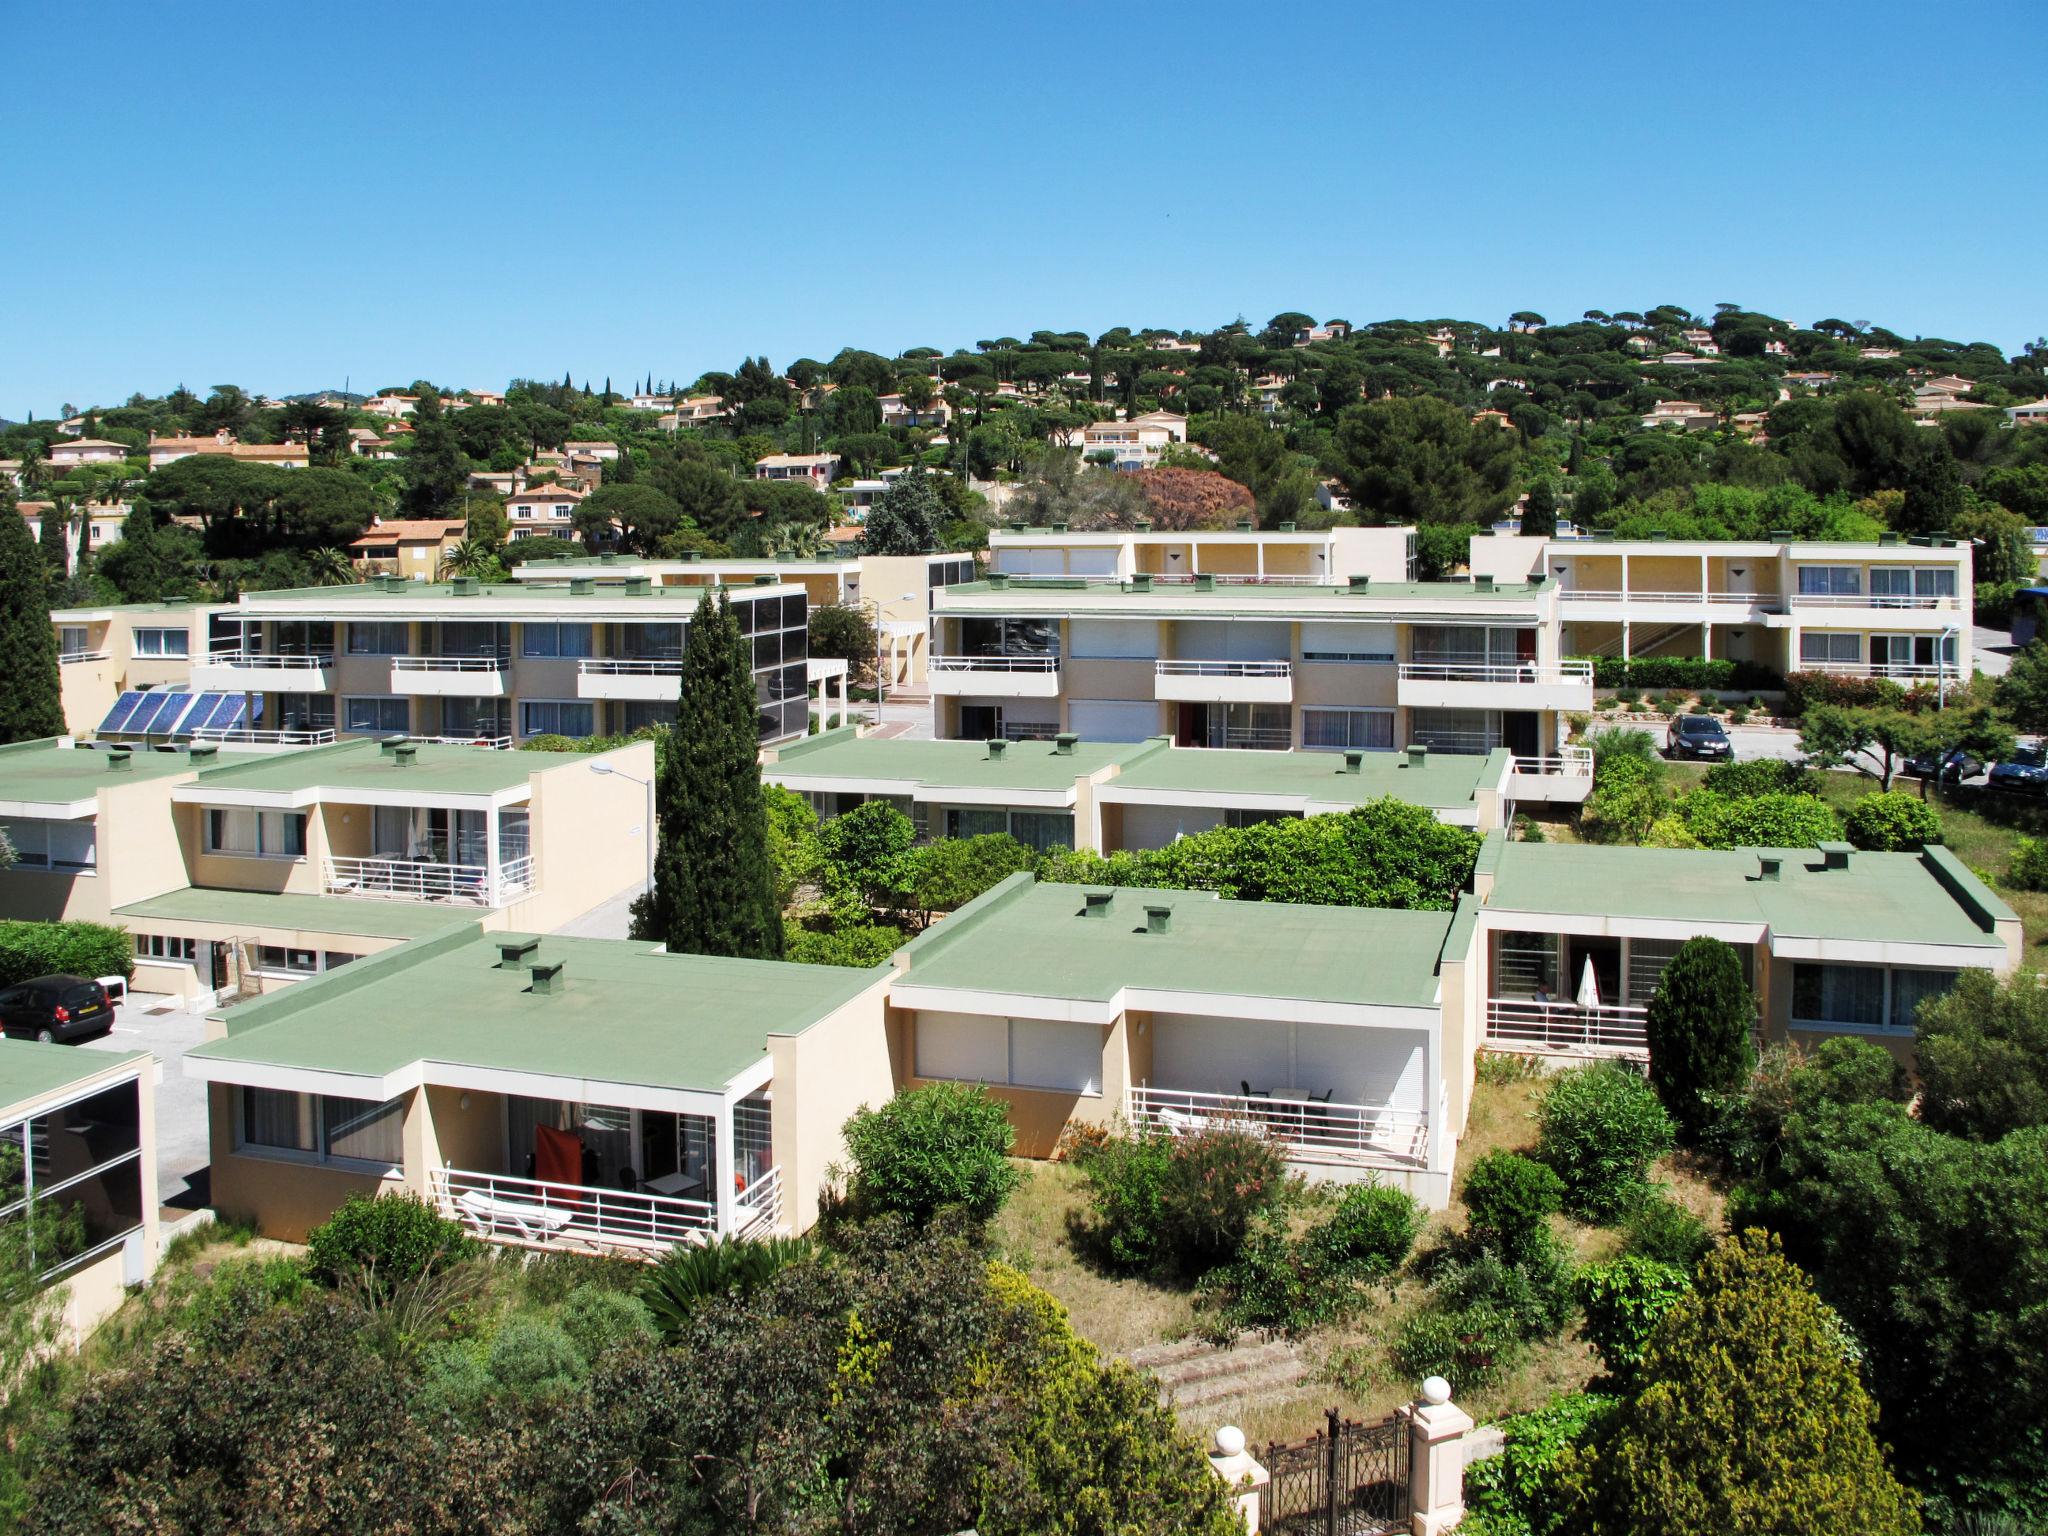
x: 283, y: 197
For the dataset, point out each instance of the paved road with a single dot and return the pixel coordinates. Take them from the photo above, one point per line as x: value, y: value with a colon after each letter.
x: 1993, y: 649
x: 159, y: 1025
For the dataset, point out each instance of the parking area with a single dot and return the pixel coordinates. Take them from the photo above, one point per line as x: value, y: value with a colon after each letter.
x: 164, y: 1028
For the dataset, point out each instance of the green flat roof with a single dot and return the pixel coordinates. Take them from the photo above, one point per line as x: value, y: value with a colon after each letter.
x: 1443, y: 781
x: 43, y: 772
x: 182, y: 605
x: 309, y: 914
x: 413, y: 591
x: 1899, y: 898
x: 1031, y: 940
x: 628, y: 1014
x: 29, y: 1069
x: 437, y: 768
x: 1024, y: 765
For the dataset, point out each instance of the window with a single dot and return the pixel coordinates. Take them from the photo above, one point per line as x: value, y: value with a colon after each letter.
x: 64, y: 847
x: 1839, y: 994
x: 381, y: 637
x: 1904, y: 584
x: 1038, y: 830
x: 1370, y: 643
x: 1260, y: 727
x: 376, y: 715
x: 73, y: 640
x: 556, y: 717
x: 257, y: 834
x: 291, y: 962
x: 1115, y: 639
x: 158, y: 946
x: 1912, y: 988
x: 554, y: 639
x: 1830, y: 581
x: 1337, y: 730
x: 357, y: 1133
x: 162, y: 642
x: 81, y: 1159
x: 1023, y: 1053
x: 1824, y: 649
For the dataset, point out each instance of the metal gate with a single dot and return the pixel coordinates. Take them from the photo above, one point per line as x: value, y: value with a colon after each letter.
x: 1349, y: 1480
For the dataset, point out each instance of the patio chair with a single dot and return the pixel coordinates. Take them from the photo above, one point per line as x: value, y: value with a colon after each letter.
x: 533, y: 1223
x: 1254, y: 1093
x: 1181, y: 1123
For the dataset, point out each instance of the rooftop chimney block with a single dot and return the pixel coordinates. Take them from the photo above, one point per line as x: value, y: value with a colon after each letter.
x: 1158, y: 919
x: 549, y: 980
x: 1063, y: 744
x: 514, y: 953
x: 1097, y: 903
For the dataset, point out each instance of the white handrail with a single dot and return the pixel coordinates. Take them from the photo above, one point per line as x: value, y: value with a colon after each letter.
x: 1494, y: 672
x: 1873, y: 600
x: 624, y: 666
x: 494, y: 663
x: 1567, y: 762
x: 1565, y: 1026
x: 1892, y: 669
x: 66, y: 657
x: 1744, y: 599
x: 500, y: 743
x: 1370, y: 1133
x: 295, y: 661
x: 532, y: 1213
x: 1223, y: 668
x: 259, y: 738
x: 399, y: 879
x: 760, y: 1203
x: 993, y: 664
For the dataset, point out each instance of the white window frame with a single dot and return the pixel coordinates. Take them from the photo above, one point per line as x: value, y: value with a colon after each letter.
x: 1887, y: 995
x: 312, y: 1109
x: 166, y: 947
x: 1010, y: 1079
x: 558, y: 705
x: 155, y: 641
x: 349, y: 727
x: 32, y: 839
x: 268, y: 827
x: 1354, y: 716
x: 552, y: 631
x: 377, y: 632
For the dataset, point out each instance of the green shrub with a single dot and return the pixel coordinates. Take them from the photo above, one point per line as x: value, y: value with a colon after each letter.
x: 1759, y: 821
x: 1530, y: 831
x: 393, y: 1238
x: 1533, y: 1291
x: 1270, y: 1286
x: 1509, y: 1200
x: 597, y: 1319
x: 2028, y: 868
x: 859, y: 946
x: 1600, y: 1128
x: 452, y: 1377
x: 1367, y: 1236
x: 549, y: 1279
x: 1127, y: 1199
x: 1696, y: 673
x: 1891, y: 822
x: 1516, y: 1493
x: 1661, y: 1228
x: 1803, y: 689
x: 1627, y: 698
x: 1217, y: 1181
x: 937, y: 1145
x: 687, y: 1277
x: 1672, y: 701
x: 63, y: 949
x: 1738, y: 779
x: 1624, y: 1300
x: 1698, y: 1026
x: 531, y: 1356
x: 1739, y: 715
x: 1469, y: 1349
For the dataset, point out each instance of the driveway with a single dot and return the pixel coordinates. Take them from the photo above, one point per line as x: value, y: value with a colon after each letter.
x: 166, y: 1029
x: 1993, y: 650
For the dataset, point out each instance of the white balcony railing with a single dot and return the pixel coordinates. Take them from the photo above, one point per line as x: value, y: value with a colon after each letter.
x: 1223, y: 668
x: 1769, y: 602
x: 759, y: 1205
x: 1566, y: 762
x: 1520, y: 1024
x: 529, y: 1213
x: 1873, y: 600
x: 399, y: 879
x: 1313, y: 1129
x: 65, y: 658
x: 1896, y: 670
x: 1565, y: 673
x: 498, y: 743
x: 236, y: 735
x: 494, y: 663
x: 1003, y: 664
x: 625, y: 666
x: 271, y: 660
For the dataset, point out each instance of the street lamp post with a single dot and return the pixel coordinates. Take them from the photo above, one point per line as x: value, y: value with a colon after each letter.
x: 647, y: 830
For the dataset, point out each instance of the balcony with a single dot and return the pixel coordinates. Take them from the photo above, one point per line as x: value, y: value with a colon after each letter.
x: 68, y: 658
x: 626, y: 678
x: 461, y: 677
x: 999, y: 677
x: 1491, y: 685
x: 263, y: 672
x: 262, y: 740
x: 1565, y: 778
x: 579, y: 1218
x: 1564, y: 1028
x: 1224, y: 682
x: 1312, y: 1130
x: 400, y: 879
x: 1722, y: 607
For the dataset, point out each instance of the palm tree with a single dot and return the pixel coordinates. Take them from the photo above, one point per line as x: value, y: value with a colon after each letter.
x: 799, y: 541
x: 331, y: 567
x: 470, y: 557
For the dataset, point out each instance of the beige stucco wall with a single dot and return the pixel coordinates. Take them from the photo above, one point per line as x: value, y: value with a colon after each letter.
x: 582, y: 852
x: 236, y: 872
x: 285, y: 1199
x: 822, y: 1076
x: 1039, y: 1116
x: 137, y: 853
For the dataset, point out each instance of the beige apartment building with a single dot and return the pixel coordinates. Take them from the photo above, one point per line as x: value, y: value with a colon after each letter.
x: 104, y: 652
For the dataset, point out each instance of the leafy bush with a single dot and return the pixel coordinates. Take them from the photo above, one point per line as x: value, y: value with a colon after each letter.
x: 1983, y: 1056
x: 1740, y: 778
x: 1127, y: 1198
x: 1469, y: 1349
x: 1532, y: 1291
x: 1660, y: 1228
x: 2028, y: 868
x: 1759, y: 821
x: 1270, y: 1285
x: 687, y: 1277
x: 871, y: 845
x: 1628, y: 787
x: 1698, y: 1027
x: 549, y: 1279
x: 951, y: 872
x: 1892, y: 821
x: 1367, y: 1236
x: 1600, y: 1128
x: 63, y: 949
x: 1509, y: 1200
x: 1516, y: 1493
x: 1217, y: 1182
x: 597, y: 1319
x: 936, y: 1145
x: 859, y: 946
x: 393, y: 1239
x: 1803, y: 689
x: 530, y: 1356
x: 1694, y: 673
x: 1624, y: 1301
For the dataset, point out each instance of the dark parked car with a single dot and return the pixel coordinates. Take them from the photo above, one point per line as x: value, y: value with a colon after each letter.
x: 2025, y: 771
x: 56, y: 1008
x: 1699, y: 736
x: 1950, y: 767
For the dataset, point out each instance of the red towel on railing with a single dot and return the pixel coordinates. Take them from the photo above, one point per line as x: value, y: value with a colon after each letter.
x: 558, y: 1159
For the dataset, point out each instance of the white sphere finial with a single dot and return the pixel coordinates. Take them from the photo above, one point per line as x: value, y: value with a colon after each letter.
x: 1230, y: 1441
x: 1436, y: 1391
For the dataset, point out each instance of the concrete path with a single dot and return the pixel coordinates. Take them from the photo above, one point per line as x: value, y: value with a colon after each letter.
x: 167, y: 1030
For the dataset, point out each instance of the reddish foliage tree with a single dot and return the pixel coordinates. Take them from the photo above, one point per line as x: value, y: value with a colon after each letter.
x: 1177, y: 499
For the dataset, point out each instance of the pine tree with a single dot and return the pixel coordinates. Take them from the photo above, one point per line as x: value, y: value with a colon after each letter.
x: 1750, y: 1417
x: 1572, y: 464
x: 714, y: 886
x: 31, y: 696
x: 56, y: 549
x: 1539, y: 512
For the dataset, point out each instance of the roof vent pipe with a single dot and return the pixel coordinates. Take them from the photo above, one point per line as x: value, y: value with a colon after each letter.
x: 1354, y: 762
x: 1064, y: 743
x: 390, y: 745
x: 996, y: 748
x: 550, y: 980
x: 1418, y: 755
x: 1767, y: 869
x: 1141, y: 581
x: 514, y: 953
x: 1360, y: 583
x: 406, y: 755
x: 120, y: 760
x: 1097, y: 903
x: 1158, y: 919
x: 1204, y: 582
x: 1834, y: 855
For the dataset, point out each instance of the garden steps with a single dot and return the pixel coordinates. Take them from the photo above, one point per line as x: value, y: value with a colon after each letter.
x: 1192, y: 1373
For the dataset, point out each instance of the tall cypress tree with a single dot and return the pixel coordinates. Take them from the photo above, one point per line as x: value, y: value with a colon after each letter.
x: 56, y: 550
x: 714, y: 887
x: 31, y: 697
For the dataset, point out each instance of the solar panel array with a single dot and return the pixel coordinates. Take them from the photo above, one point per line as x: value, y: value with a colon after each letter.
x: 169, y: 712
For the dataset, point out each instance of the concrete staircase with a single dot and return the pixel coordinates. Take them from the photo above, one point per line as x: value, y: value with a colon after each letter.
x: 1194, y: 1374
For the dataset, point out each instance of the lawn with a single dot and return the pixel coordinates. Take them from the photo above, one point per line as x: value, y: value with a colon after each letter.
x: 1349, y: 1364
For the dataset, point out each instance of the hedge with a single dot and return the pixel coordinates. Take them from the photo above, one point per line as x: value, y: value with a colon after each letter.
x: 1803, y: 689
x: 63, y: 949
x: 1695, y: 672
